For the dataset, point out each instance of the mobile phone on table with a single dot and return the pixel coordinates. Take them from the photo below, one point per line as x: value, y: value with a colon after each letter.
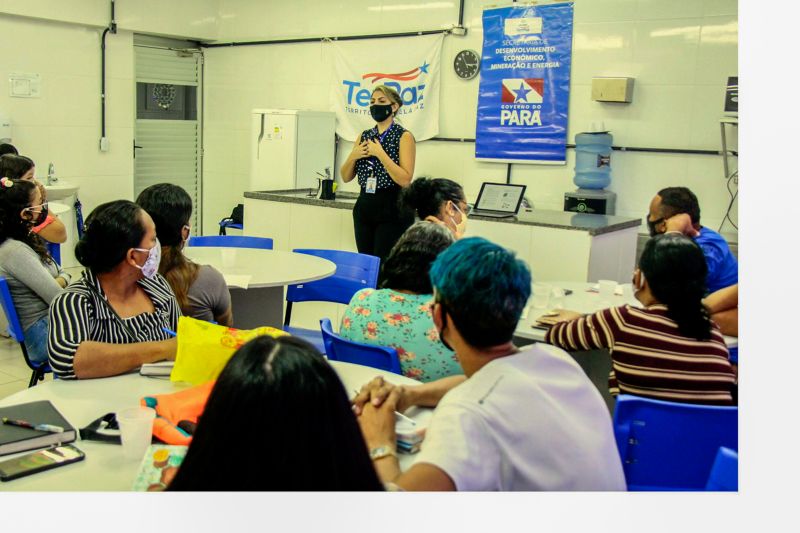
x: 40, y: 461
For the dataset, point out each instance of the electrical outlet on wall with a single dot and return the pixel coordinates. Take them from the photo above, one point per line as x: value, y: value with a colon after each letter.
x: 24, y: 85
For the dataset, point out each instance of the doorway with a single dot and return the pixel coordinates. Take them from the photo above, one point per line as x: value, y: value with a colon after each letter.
x: 168, y: 130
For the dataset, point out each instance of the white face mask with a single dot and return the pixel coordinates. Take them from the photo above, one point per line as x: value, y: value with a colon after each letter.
x: 638, y: 284
x: 150, y: 267
x: 461, y: 227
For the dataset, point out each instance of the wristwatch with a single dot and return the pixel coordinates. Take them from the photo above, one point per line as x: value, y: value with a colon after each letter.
x: 380, y: 452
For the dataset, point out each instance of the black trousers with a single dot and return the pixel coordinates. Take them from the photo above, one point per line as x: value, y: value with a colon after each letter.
x: 379, y: 222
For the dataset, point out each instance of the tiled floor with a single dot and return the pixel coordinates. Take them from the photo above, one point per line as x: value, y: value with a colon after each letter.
x: 14, y: 373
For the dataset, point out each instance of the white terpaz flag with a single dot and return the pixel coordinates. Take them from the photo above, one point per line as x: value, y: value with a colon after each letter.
x: 410, y: 65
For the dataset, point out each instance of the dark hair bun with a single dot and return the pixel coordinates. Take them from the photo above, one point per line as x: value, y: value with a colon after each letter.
x: 111, y: 230
x: 417, y: 191
x: 83, y: 253
x: 426, y: 195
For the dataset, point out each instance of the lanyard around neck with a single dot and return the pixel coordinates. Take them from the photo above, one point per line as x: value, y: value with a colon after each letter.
x: 380, y: 140
x: 383, y: 135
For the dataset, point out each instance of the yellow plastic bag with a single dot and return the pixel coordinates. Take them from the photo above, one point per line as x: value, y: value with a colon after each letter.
x: 205, y: 348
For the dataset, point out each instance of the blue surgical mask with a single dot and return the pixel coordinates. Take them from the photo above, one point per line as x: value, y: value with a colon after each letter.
x: 150, y: 267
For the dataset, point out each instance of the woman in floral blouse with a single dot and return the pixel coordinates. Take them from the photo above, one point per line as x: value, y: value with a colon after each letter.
x: 399, y: 313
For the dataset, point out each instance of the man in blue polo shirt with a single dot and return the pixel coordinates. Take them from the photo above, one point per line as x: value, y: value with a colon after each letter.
x: 677, y: 209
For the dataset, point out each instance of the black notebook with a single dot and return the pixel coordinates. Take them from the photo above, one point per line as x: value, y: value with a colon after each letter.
x: 15, y: 439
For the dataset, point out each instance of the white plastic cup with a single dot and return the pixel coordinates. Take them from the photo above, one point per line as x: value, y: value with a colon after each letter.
x: 136, y: 430
x: 541, y: 295
x: 557, y: 298
x: 606, y: 289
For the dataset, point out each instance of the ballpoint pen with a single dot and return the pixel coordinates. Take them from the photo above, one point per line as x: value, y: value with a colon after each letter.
x: 401, y: 416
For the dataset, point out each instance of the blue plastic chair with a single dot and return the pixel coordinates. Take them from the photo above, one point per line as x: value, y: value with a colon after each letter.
x: 232, y: 241
x: 15, y: 330
x: 670, y: 446
x: 339, y: 349
x: 354, y: 272
x: 725, y: 471
x: 734, y: 355
x: 55, y: 251
x: 226, y: 223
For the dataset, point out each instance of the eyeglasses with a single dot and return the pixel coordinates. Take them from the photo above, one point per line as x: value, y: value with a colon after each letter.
x: 467, y: 209
x: 40, y: 206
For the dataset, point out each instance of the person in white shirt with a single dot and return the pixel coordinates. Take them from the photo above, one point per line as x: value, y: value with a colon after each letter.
x: 519, y: 420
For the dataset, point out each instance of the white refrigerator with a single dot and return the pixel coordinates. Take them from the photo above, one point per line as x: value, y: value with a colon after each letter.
x: 291, y: 148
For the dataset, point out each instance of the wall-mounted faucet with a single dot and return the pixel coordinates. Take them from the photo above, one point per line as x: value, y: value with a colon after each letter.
x: 51, y: 175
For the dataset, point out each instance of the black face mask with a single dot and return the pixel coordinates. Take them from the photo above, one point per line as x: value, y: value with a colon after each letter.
x: 444, y: 325
x: 380, y: 112
x: 42, y: 217
x: 39, y: 219
x: 651, y: 226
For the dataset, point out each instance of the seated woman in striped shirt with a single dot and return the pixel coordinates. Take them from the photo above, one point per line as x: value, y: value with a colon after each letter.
x: 113, y: 319
x: 667, y: 350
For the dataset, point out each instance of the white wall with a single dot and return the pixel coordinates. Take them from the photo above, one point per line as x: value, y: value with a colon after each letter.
x: 61, y: 42
x: 680, y: 52
x: 63, y: 125
x: 195, y: 19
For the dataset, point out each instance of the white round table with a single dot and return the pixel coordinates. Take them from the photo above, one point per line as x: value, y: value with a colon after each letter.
x: 256, y: 279
x: 105, y: 468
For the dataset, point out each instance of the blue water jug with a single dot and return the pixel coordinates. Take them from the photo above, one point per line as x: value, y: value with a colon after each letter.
x: 593, y: 160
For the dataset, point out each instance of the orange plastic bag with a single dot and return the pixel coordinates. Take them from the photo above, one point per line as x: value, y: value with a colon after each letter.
x: 172, y: 409
x: 205, y: 348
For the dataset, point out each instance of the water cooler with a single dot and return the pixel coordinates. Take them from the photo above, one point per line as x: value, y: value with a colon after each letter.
x: 592, y: 175
x: 291, y: 148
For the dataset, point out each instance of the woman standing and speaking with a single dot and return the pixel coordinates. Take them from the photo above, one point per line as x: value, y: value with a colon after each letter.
x: 383, y: 159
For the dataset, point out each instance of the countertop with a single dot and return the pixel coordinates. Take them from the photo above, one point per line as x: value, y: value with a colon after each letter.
x: 344, y: 200
x: 593, y: 224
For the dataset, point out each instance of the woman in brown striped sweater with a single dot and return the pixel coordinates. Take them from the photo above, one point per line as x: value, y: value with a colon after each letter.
x: 667, y: 350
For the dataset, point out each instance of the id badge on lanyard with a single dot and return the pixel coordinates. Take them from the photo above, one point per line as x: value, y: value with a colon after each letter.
x: 372, y: 184
x: 372, y: 181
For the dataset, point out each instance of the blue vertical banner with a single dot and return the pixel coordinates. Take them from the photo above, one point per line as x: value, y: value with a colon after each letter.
x: 524, y: 89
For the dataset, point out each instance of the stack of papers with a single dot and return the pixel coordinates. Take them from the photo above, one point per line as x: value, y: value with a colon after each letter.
x: 164, y: 368
x: 596, y: 288
x: 237, y: 280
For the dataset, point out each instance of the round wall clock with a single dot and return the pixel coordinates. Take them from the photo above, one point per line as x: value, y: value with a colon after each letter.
x: 466, y: 64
